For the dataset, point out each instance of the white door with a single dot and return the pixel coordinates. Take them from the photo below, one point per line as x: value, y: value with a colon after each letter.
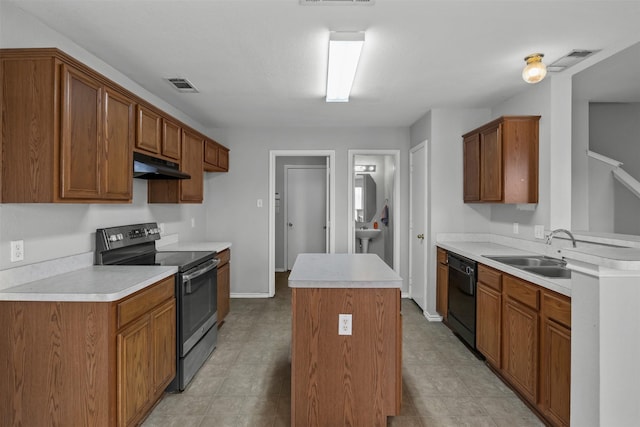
x: 417, y: 229
x: 306, y: 220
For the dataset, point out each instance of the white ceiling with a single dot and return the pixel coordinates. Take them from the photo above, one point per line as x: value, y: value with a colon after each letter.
x: 263, y: 62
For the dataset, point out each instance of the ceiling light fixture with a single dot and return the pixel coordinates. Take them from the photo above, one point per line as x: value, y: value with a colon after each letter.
x: 535, y: 70
x: 344, y: 54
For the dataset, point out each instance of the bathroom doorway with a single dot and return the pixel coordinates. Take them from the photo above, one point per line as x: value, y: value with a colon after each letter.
x: 374, y: 203
x: 281, y: 161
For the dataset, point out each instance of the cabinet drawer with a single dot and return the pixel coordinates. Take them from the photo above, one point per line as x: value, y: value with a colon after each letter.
x: 490, y: 277
x: 557, y: 307
x: 522, y: 291
x: 224, y: 257
x: 140, y: 303
x: 442, y: 256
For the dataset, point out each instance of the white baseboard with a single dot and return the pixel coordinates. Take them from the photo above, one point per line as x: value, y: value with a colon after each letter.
x: 249, y: 295
x: 280, y: 270
x: 432, y: 317
x: 405, y: 295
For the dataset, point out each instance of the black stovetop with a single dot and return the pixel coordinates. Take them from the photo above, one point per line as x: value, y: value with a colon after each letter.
x: 185, y: 260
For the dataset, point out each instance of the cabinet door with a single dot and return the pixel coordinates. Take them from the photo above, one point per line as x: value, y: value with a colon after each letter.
x: 191, y: 163
x: 134, y: 371
x: 556, y: 372
x: 442, y: 290
x: 163, y: 333
x: 471, y: 170
x: 491, y: 164
x: 118, y: 141
x: 520, y: 347
x: 81, y: 135
x: 223, y: 159
x: 224, y: 279
x: 171, y: 137
x: 489, y: 323
x: 148, y: 135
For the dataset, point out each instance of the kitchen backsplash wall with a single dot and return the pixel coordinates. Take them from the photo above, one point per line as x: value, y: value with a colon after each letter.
x: 56, y: 230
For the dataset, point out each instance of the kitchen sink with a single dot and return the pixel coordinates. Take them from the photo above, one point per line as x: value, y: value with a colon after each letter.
x: 536, y: 264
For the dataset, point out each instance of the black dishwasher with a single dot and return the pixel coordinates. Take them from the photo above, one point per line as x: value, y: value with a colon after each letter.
x: 462, y: 298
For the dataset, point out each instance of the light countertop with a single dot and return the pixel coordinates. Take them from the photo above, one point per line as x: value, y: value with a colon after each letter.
x: 342, y: 271
x: 92, y: 284
x: 477, y: 251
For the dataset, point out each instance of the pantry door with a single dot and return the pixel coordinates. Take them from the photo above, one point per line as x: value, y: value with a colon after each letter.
x: 417, y: 227
x: 306, y: 211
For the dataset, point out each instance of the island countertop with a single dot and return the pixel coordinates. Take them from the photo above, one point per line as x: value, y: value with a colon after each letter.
x: 342, y: 271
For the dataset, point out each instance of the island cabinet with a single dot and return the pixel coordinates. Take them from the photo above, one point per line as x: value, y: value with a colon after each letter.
x: 157, y: 135
x: 87, y: 363
x: 500, y: 161
x: 442, y: 284
x: 183, y: 190
x: 524, y: 331
x: 67, y: 132
x: 346, y: 359
x: 224, y: 285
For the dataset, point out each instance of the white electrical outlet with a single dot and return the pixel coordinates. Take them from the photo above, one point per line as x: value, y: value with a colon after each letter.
x: 538, y: 231
x: 259, y: 203
x: 193, y: 223
x: 344, y: 324
x: 17, y: 250
x: 516, y: 228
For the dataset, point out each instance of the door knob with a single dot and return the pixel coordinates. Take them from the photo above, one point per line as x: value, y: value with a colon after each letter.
x: 420, y: 236
x: 290, y: 224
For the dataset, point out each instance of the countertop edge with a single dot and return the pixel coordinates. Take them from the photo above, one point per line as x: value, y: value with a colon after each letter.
x: 561, y: 286
x: 41, y: 295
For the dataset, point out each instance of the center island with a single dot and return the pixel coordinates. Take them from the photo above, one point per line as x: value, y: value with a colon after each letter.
x: 346, y: 340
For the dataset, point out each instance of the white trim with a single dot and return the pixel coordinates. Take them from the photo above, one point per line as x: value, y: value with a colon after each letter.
x: 273, y: 154
x: 250, y: 295
x: 281, y: 270
x: 432, y: 317
x: 604, y: 159
x: 405, y: 295
x: 396, y: 201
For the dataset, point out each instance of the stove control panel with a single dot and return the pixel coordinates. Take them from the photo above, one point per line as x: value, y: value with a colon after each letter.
x: 124, y: 236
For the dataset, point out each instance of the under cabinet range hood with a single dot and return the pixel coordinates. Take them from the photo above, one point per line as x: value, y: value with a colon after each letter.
x: 147, y: 167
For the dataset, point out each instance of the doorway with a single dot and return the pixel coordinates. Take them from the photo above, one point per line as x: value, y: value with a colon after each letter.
x: 305, y: 214
x: 383, y: 168
x: 419, y: 237
x: 277, y: 203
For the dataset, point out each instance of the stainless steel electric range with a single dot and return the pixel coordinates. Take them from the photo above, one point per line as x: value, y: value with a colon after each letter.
x: 196, y: 289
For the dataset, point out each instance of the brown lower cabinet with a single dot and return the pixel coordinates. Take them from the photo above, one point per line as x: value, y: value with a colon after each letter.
x: 524, y: 331
x: 87, y: 363
x: 442, y: 284
x: 224, y: 285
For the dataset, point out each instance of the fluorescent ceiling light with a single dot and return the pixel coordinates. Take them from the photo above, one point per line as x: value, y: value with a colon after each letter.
x: 344, y: 53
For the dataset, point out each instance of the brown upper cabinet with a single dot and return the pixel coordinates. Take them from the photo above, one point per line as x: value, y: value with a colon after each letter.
x: 156, y: 134
x: 67, y: 134
x: 216, y: 157
x: 500, y: 162
x: 183, y: 190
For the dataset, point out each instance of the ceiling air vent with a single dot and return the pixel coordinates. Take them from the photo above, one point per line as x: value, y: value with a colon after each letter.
x: 572, y: 58
x: 183, y: 85
x: 336, y: 2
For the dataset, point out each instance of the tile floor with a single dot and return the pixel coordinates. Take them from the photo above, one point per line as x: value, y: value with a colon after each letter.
x: 246, y: 381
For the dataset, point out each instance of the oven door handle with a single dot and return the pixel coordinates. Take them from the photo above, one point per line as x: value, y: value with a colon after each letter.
x: 206, y: 267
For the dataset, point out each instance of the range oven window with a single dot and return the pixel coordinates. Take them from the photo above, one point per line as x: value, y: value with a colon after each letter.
x: 198, y: 300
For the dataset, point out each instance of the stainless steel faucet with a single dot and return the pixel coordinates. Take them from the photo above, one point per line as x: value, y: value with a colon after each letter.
x: 561, y: 230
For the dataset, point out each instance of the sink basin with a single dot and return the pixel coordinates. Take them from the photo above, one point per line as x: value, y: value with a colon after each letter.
x: 529, y: 261
x: 368, y: 233
x: 365, y: 235
x: 555, y: 272
x: 541, y: 265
